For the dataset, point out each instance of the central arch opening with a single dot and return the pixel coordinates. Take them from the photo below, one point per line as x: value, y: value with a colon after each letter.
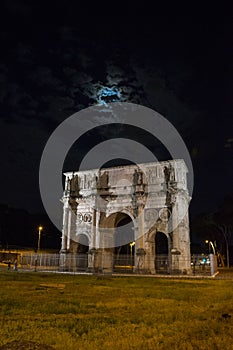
x: 124, y: 251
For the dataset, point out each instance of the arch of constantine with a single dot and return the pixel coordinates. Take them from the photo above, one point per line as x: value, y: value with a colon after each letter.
x: 131, y: 217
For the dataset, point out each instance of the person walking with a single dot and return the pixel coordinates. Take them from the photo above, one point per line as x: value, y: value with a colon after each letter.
x: 16, y: 265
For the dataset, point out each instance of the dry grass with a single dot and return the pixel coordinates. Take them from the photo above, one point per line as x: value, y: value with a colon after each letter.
x: 89, y: 312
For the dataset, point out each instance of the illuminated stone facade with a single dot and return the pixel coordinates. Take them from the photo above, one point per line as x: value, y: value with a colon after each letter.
x: 128, y: 206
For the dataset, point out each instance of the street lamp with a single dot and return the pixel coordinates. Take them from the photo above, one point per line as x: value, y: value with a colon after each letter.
x: 213, y: 247
x: 131, y: 246
x: 131, y: 251
x: 40, y: 228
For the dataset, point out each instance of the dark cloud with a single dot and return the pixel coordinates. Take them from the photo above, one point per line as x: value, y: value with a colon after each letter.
x: 18, y: 7
x: 49, y: 73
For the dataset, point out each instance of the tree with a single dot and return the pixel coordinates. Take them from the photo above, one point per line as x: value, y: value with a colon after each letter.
x: 217, y: 227
x: 224, y: 221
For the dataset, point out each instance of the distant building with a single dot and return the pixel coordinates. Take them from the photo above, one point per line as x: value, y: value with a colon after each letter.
x: 133, y: 217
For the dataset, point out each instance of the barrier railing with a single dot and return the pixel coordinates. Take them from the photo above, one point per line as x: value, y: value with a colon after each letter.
x: 201, y: 265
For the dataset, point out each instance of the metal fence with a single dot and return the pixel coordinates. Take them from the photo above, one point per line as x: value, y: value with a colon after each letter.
x: 40, y: 262
x: 78, y: 263
x: 202, y: 264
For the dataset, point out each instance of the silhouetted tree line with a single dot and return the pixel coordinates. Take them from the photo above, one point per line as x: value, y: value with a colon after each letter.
x: 217, y: 227
x: 19, y: 227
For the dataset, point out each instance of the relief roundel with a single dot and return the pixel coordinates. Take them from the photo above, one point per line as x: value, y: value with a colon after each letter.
x: 87, y: 217
x: 84, y: 217
x: 151, y: 215
x: 164, y: 214
x: 80, y: 217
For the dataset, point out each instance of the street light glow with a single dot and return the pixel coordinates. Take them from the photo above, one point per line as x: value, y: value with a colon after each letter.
x: 212, y: 245
x: 40, y: 228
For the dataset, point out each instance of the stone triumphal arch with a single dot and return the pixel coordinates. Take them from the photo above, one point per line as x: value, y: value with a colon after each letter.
x: 133, y: 216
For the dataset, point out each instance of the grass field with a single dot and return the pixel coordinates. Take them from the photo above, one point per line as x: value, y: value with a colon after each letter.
x: 91, y: 312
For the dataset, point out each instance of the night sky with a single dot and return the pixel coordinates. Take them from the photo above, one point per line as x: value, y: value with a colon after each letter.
x: 55, y: 59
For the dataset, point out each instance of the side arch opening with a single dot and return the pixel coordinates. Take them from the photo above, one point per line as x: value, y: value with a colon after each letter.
x: 161, y: 253
x: 82, y: 252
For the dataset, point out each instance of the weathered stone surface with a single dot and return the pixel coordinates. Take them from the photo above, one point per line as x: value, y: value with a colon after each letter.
x: 153, y: 195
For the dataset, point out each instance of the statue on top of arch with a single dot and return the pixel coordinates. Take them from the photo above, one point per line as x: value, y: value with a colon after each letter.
x: 137, y: 177
x: 170, y: 185
x: 74, y: 186
x: 169, y: 173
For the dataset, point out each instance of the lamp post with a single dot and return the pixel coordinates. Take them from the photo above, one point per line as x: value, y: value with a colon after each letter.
x: 40, y: 228
x: 211, y: 244
x: 131, y: 251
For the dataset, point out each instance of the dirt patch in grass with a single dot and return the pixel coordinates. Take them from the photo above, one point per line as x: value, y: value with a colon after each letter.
x: 25, y: 345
